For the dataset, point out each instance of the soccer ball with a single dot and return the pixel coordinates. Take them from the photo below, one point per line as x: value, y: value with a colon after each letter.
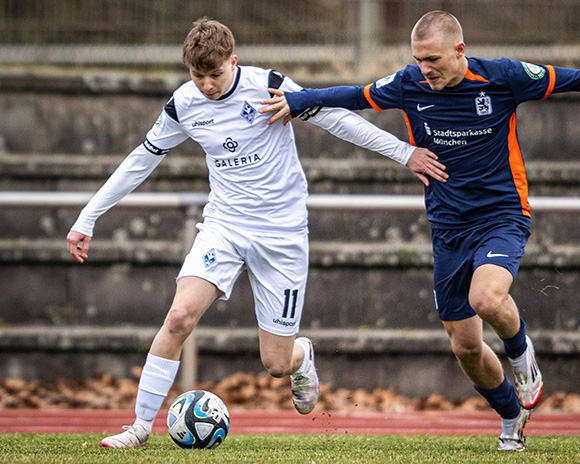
x: 198, y: 419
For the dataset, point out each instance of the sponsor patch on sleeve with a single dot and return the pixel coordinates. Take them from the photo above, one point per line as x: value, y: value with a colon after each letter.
x: 534, y: 71
x: 385, y: 80
x: 156, y: 129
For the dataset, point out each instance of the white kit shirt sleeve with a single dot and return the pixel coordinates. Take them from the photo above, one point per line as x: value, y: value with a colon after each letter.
x: 134, y: 169
x: 353, y: 128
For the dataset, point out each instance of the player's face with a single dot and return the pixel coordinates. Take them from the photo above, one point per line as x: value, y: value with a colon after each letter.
x: 213, y: 84
x: 443, y: 65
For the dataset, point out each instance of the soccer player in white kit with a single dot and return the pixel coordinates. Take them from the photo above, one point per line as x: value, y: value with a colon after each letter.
x: 255, y: 218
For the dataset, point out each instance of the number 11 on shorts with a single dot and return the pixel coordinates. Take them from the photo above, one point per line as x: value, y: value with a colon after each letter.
x: 287, y: 303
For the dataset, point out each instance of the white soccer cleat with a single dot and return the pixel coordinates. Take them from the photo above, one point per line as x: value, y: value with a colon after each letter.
x: 305, y: 387
x: 134, y: 436
x: 512, y: 432
x: 527, y: 376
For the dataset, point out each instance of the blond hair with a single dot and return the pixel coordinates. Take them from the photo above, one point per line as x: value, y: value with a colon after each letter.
x: 437, y: 24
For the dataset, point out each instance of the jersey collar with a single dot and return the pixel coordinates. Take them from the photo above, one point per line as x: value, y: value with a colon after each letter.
x: 234, y: 85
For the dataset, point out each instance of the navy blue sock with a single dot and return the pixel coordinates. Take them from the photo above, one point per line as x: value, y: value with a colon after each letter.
x: 503, y: 399
x: 515, y: 346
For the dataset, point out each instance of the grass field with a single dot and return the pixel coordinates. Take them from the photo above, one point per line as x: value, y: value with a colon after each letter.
x: 291, y: 449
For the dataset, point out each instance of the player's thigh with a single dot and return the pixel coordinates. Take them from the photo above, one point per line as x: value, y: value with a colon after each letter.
x: 278, y: 271
x: 496, y: 262
x: 193, y: 296
x: 490, y: 286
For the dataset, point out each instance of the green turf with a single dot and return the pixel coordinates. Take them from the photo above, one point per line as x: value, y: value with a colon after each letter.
x: 291, y: 449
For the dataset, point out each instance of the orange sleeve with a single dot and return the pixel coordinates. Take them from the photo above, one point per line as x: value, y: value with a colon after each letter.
x: 552, y: 83
x: 367, y: 92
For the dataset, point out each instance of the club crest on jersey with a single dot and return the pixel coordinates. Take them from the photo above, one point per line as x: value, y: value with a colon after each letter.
x: 209, y: 258
x: 483, y: 104
x: 248, y: 112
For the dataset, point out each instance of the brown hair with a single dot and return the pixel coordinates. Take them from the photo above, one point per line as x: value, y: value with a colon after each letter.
x: 437, y: 23
x: 208, y: 45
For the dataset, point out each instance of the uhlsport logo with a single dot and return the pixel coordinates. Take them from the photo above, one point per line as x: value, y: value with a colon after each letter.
x: 207, y: 122
x: 283, y: 322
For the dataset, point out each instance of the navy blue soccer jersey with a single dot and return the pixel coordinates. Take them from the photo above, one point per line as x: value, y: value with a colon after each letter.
x: 471, y: 127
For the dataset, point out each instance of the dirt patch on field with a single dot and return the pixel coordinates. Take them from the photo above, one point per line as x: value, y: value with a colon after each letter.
x: 241, y: 390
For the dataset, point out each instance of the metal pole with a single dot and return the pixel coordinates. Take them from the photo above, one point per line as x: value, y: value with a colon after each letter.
x: 369, y: 20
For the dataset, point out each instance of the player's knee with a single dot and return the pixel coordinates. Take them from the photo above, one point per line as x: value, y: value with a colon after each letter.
x: 467, y: 353
x: 487, y: 302
x: 179, y: 322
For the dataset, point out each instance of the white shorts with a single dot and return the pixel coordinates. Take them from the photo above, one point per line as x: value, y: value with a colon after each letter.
x: 277, y: 269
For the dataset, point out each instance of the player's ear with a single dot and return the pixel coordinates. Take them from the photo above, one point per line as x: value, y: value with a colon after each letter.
x: 460, y: 50
x: 234, y: 60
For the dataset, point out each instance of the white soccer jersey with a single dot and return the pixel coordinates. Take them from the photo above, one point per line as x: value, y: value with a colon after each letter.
x: 256, y: 179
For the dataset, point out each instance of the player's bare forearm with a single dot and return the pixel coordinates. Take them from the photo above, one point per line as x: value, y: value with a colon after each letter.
x: 278, y: 104
x: 423, y: 163
x: 78, y: 245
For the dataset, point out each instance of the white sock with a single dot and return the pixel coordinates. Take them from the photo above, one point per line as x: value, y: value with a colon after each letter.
x: 508, y: 427
x: 147, y: 406
x: 156, y: 379
x: 306, y: 358
x: 520, y: 364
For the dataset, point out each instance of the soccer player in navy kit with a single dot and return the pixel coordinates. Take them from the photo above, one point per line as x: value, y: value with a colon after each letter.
x: 464, y: 110
x: 255, y: 219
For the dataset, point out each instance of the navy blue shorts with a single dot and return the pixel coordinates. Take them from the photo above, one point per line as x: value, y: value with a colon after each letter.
x: 458, y: 252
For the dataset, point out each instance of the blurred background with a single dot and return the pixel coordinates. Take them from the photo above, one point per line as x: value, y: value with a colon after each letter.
x: 355, y: 36
x: 300, y: 22
x: 81, y: 82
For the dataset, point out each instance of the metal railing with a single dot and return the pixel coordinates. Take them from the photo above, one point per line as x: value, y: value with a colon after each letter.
x: 22, y: 199
x: 192, y: 203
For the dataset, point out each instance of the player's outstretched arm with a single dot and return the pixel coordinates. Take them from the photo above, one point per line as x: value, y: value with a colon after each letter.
x: 78, y: 252
x: 421, y: 163
x: 278, y: 104
x: 424, y: 162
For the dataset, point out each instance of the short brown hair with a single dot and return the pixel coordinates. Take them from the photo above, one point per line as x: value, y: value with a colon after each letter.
x: 435, y: 23
x: 208, y: 45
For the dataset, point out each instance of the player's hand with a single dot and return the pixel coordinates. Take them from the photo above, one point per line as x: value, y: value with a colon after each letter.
x: 278, y: 104
x: 423, y: 163
x: 78, y: 245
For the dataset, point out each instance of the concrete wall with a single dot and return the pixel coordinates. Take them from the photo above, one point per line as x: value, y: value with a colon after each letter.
x: 110, y: 114
x: 370, y: 272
